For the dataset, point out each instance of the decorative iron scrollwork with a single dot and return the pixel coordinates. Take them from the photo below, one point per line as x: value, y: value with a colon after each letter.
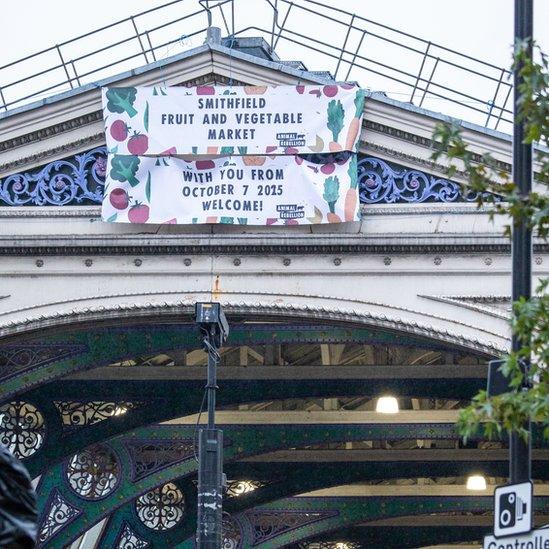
x: 94, y: 473
x: 128, y: 539
x: 18, y: 358
x: 22, y: 428
x: 232, y: 534
x: 267, y: 524
x: 79, y: 414
x: 380, y: 183
x: 161, y: 508
x: 60, y: 513
x: 236, y: 488
x: 329, y: 545
x: 149, y: 457
x: 79, y: 179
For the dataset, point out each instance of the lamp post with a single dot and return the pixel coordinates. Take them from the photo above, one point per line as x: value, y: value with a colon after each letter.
x: 519, y: 450
x: 214, y: 331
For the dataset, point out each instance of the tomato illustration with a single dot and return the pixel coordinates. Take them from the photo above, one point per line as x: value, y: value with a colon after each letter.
x: 330, y: 91
x: 205, y: 164
x: 119, y: 130
x: 139, y: 213
x: 327, y: 169
x: 138, y: 144
x: 205, y: 90
x: 119, y: 199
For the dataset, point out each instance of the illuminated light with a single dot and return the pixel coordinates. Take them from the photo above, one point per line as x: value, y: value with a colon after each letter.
x: 476, y: 482
x: 119, y: 410
x: 387, y: 405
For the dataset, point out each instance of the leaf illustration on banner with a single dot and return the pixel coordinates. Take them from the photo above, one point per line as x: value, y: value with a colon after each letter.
x: 242, y: 220
x: 226, y: 150
x: 154, y: 91
x: 227, y: 220
x: 121, y: 100
x: 331, y: 195
x: 242, y: 150
x: 124, y: 168
x: 195, y: 220
x: 148, y: 188
x: 114, y: 150
x: 146, y: 117
x: 112, y: 218
x: 336, y: 115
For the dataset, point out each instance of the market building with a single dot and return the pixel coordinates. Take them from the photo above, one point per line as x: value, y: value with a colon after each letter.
x: 102, y: 373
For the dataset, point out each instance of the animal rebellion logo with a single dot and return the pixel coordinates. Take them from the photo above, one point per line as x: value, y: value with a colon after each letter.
x: 291, y: 139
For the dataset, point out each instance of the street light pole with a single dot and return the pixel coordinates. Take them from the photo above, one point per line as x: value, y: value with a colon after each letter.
x: 519, y: 450
x: 214, y: 329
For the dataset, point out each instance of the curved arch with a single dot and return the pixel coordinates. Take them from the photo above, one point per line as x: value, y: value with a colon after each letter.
x: 66, y: 352
x: 280, y: 305
x: 172, y: 449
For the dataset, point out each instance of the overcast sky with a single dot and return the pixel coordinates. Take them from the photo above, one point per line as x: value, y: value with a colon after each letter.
x: 480, y: 28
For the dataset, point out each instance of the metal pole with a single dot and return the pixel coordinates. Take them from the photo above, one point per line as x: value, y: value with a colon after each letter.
x: 210, y: 467
x: 212, y: 381
x: 520, y: 451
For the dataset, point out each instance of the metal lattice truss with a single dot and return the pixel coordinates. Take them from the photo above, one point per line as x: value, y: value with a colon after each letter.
x: 359, y: 49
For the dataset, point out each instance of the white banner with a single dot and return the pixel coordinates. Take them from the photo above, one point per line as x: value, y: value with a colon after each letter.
x: 239, y: 120
x: 246, y: 190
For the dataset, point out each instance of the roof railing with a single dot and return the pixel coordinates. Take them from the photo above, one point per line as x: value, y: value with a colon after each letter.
x: 374, y: 54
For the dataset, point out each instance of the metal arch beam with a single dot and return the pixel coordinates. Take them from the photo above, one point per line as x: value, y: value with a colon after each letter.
x: 242, y: 441
x: 166, y: 402
x: 291, y: 478
x: 59, y: 353
x: 336, y: 512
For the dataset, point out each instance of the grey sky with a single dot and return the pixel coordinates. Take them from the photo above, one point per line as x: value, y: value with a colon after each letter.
x: 480, y: 28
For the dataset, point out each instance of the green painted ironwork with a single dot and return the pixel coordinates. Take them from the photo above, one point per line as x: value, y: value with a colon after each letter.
x: 242, y: 441
x: 106, y: 345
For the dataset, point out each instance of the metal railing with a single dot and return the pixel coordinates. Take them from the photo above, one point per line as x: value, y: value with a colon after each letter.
x: 379, y: 57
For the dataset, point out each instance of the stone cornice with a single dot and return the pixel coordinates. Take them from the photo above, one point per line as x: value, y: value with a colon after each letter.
x: 253, y: 245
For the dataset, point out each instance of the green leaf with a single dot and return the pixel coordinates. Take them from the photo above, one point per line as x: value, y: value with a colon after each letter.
x: 112, y: 218
x: 148, y: 188
x: 146, y: 117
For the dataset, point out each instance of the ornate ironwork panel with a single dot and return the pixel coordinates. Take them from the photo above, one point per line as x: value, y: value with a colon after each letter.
x: 15, y: 359
x: 22, y: 428
x: 232, y: 533
x: 147, y: 457
x: 128, y: 539
x: 162, y: 508
x: 80, y: 414
x: 381, y: 182
x: 330, y: 545
x: 94, y: 473
x: 268, y: 523
x: 80, y: 179
x: 76, y: 180
x: 59, y: 514
x: 236, y: 488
